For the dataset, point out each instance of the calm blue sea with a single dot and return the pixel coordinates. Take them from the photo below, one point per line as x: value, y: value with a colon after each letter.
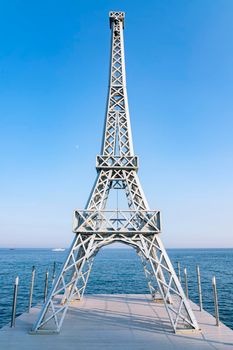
x: 116, y: 271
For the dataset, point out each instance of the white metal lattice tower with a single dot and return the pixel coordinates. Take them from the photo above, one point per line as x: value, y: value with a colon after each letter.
x: 96, y: 227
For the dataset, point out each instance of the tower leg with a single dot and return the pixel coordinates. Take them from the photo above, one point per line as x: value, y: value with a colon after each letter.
x: 151, y: 282
x: 67, y: 285
x: 179, y: 310
x: 81, y: 280
x: 84, y: 276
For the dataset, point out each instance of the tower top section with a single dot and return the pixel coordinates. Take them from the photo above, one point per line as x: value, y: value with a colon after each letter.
x: 116, y: 17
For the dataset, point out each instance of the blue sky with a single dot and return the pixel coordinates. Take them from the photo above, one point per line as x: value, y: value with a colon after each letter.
x: 54, y: 62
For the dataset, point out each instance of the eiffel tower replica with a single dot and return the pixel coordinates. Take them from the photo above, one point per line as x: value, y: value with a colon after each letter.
x: 95, y: 227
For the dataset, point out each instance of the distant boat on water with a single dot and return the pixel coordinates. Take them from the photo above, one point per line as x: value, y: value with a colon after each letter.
x: 58, y: 249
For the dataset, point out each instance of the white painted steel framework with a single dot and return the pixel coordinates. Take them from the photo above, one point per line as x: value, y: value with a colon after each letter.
x: 96, y: 227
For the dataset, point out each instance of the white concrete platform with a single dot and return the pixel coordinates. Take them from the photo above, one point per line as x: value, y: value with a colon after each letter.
x: 117, y: 322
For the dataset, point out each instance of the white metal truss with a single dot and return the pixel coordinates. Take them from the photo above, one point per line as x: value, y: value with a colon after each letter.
x: 96, y: 227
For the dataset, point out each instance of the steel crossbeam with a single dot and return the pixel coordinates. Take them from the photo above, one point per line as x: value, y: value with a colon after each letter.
x: 96, y: 227
x: 117, y: 162
x: 123, y: 221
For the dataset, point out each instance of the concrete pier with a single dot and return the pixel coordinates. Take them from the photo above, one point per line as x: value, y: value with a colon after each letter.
x: 125, y: 321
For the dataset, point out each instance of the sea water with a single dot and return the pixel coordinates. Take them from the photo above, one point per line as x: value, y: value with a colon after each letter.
x: 116, y: 271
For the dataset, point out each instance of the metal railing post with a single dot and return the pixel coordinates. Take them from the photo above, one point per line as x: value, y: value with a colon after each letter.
x: 186, y: 283
x: 31, y: 288
x: 199, y: 288
x: 215, y: 300
x: 46, y: 284
x: 14, y: 301
x: 178, y: 269
x: 54, y: 272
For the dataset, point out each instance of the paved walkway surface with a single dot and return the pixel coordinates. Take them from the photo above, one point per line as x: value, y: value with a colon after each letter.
x: 117, y: 322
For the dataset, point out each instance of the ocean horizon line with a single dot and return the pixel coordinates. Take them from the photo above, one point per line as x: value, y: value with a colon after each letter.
x: 113, y: 248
